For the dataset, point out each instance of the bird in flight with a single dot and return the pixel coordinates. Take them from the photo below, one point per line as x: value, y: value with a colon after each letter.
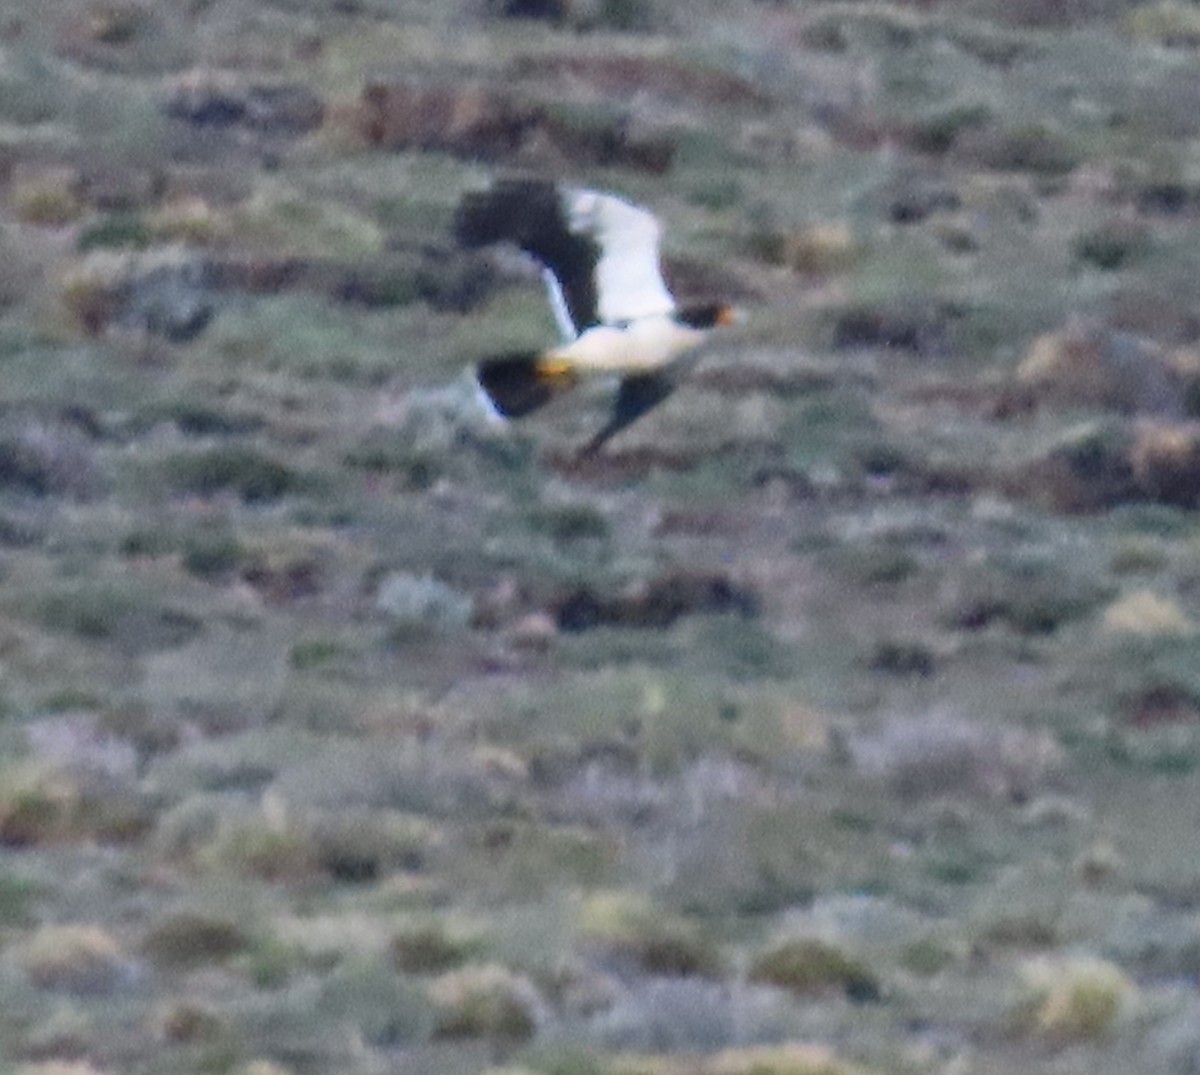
x: 600, y: 261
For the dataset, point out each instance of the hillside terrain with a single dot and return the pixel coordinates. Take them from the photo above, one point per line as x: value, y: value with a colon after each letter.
x: 841, y: 717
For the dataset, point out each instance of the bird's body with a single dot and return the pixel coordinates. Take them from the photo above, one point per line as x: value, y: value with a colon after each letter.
x: 636, y: 347
x: 601, y: 265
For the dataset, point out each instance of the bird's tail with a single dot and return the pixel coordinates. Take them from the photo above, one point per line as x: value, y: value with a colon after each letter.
x: 521, y: 382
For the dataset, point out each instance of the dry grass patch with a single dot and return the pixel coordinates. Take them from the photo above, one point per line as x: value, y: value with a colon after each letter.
x: 485, y: 1001
x: 90, y: 294
x: 789, y: 1059
x: 74, y: 959
x: 37, y: 805
x: 59, y: 1067
x: 311, y: 848
x: 266, y: 847
x: 48, y: 199
x: 628, y: 928
x: 187, y: 1023
x: 942, y: 754
x: 191, y: 220
x: 1148, y: 614
x: 262, y: 1067
x: 1165, y: 460
x: 1169, y: 22
x: 1074, y: 999
x: 812, y: 249
x: 780, y: 1060
x: 42, y: 805
x: 286, y: 221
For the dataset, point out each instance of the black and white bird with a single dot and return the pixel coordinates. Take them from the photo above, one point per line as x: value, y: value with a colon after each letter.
x: 600, y: 260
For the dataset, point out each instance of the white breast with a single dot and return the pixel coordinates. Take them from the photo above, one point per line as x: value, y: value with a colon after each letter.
x: 645, y: 344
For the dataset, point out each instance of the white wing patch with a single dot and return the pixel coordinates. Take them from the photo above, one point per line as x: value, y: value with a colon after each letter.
x: 558, y: 303
x: 629, y: 282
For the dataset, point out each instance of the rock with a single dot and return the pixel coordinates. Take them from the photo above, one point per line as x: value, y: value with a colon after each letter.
x: 480, y: 121
x: 290, y: 109
x: 1087, y: 470
x: 471, y: 119
x: 412, y: 601
x: 614, y: 142
x: 819, y: 249
x: 82, y: 959
x: 1088, y: 365
x: 1102, y: 464
x: 163, y: 293
x: 534, y: 632
x: 171, y: 301
x: 654, y: 603
x: 1147, y: 614
x: 287, y: 109
x: 48, y: 456
x: 1165, y: 459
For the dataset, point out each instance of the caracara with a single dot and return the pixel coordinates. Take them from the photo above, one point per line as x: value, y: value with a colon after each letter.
x: 599, y: 256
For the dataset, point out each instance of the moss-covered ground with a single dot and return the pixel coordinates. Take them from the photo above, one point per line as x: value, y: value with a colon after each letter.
x: 842, y: 716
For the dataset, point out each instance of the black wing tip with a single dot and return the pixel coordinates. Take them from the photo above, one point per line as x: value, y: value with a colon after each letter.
x: 534, y: 214
x: 501, y: 211
x: 519, y: 383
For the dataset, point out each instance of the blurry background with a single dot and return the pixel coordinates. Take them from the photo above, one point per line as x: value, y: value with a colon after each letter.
x: 843, y: 716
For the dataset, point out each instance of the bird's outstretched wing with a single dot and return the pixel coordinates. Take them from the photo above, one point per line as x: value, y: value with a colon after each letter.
x: 629, y: 281
x: 599, y: 251
x: 638, y: 393
x: 531, y: 214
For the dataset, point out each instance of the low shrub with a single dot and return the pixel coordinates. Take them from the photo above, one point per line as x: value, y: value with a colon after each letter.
x: 808, y: 966
x: 74, y: 959
x: 484, y: 1001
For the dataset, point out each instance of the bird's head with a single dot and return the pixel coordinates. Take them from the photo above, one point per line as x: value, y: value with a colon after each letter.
x: 706, y: 315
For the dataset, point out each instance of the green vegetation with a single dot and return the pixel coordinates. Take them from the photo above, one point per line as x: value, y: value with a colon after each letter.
x: 628, y: 928
x: 811, y: 966
x: 841, y: 716
x: 245, y: 471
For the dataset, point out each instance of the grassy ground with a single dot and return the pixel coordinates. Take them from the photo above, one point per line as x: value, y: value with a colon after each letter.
x: 843, y: 717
